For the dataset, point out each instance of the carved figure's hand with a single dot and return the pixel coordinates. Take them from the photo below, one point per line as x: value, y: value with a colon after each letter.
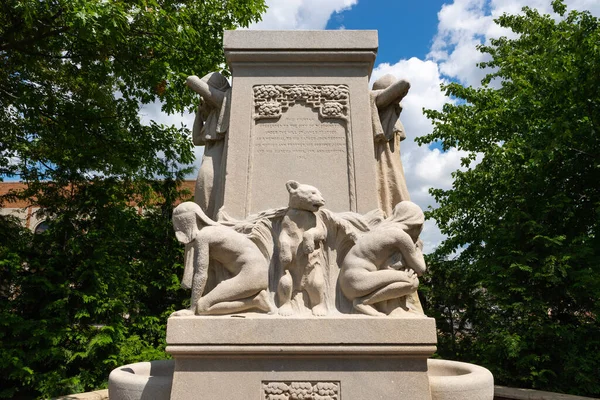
x: 410, y: 275
x: 353, y: 236
x: 380, y: 138
x: 413, y: 279
x: 308, y: 245
x: 195, y: 235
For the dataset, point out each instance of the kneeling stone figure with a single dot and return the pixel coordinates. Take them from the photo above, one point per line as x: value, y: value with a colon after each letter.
x: 382, y: 268
x: 208, y: 241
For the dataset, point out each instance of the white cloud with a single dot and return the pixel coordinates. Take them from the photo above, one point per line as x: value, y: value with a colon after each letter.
x: 464, y: 24
x: 592, y: 6
x: 300, y: 14
x: 153, y: 112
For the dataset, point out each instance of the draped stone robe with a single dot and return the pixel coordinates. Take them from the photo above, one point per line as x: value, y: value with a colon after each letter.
x: 210, y: 132
x: 388, y: 132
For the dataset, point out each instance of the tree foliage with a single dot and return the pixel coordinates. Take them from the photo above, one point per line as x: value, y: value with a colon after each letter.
x: 94, y: 291
x: 516, y: 284
x: 85, y: 296
x: 74, y: 72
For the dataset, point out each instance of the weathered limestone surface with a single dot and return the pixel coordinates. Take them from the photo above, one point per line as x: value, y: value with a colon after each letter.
x: 316, y: 271
x: 301, y: 112
x: 209, y: 130
x: 211, y: 244
x: 260, y: 357
x: 261, y: 329
x: 95, y: 395
x: 346, y: 41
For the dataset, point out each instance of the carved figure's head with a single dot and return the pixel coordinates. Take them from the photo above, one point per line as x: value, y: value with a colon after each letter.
x: 214, y: 80
x: 384, y: 82
x: 217, y: 81
x: 188, y: 218
x: 304, y: 197
x: 388, y: 80
x: 410, y: 216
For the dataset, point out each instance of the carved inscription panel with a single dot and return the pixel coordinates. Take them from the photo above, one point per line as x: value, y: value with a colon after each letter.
x: 301, y: 390
x: 303, y: 139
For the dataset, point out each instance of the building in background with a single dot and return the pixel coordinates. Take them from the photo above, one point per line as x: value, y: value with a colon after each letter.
x: 27, y: 212
x: 22, y: 209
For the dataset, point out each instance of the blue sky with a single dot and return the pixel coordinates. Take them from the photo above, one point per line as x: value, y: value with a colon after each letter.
x: 406, y: 28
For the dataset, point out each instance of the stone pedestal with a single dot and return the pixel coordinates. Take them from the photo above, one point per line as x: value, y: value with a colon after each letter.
x: 348, y: 357
x: 300, y: 104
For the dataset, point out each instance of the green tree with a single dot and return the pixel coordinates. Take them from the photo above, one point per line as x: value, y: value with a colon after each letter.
x: 515, y: 285
x: 94, y: 290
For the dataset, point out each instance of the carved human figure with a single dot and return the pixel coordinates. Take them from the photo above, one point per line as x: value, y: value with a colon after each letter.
x: 208, y: 242
x: 388, y: 132
x: 210, y: 127
x: 299, y: 255
x: 384, y: 263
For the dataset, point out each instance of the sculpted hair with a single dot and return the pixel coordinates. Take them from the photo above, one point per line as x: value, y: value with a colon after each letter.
x: 410, y: 216
x: 384, y: 82
x: 217, y: 81
x: 188, y: 209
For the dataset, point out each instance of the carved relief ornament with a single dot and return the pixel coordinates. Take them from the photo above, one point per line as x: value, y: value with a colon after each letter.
x: 331, y: 101
x: 299, y: 390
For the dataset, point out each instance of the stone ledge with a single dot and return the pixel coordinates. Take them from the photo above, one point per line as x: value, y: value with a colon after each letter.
x: 96, y: 395
x: 300, y: 40
x: 260, y: 329
x: 301, y: 351
x: 508, y: 393
x: 272, y: 57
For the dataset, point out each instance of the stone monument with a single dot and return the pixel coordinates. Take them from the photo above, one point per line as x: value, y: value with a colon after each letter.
x: 302, y: 250
x: 301, y: 113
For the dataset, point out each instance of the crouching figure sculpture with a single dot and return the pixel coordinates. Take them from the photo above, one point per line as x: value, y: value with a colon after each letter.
x: 208, y: 243
x: 383, y: 266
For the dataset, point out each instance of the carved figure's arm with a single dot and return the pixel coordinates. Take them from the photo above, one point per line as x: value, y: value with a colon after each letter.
x: 197, y: 129
x: 201, y: 263
x: 188, y: 263
x: 311, y: 236
x: 285, y: 250
x: 318, y: 233
x: 412, y: 254
x: 392, y: 94
x: 208, y: 93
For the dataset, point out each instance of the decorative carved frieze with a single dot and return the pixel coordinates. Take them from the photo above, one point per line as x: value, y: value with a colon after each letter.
x: 301, y: 390
x: 331, y: 101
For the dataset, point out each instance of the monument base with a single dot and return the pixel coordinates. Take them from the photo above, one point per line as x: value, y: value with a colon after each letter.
x: 274, y: 358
